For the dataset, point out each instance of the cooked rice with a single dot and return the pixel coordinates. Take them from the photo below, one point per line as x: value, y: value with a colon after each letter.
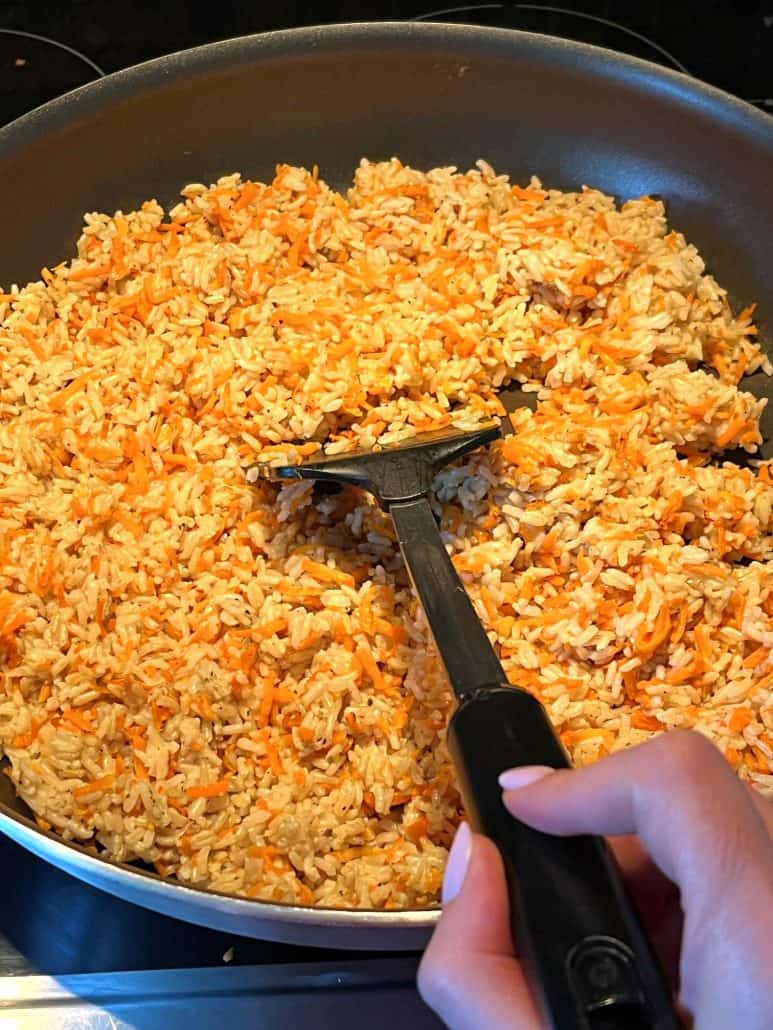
x: 234, y: 682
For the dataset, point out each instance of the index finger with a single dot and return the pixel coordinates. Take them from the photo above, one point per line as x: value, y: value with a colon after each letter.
x: 679, y: 795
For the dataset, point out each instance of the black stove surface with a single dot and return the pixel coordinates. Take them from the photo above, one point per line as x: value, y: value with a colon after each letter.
x: 49, y: 922
x: 54, y: 924
x: 71, y: 955
x: 728, y: 43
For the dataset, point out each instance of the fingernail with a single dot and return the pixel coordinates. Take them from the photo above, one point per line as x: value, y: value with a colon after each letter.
x: 512, y: 779
x: 458, y: 860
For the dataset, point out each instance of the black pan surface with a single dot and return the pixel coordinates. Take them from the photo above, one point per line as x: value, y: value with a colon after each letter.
x: 430, y: 94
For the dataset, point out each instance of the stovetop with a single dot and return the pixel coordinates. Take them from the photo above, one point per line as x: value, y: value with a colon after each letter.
x: 47, y: 47
x: 69, y: 954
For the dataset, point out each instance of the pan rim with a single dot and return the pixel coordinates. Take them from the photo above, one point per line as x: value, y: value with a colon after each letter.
x: 284, y: 912
x: 161, y: 72
x: 156, y: 72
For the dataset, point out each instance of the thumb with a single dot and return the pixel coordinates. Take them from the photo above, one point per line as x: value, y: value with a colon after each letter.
x: 469, y: 974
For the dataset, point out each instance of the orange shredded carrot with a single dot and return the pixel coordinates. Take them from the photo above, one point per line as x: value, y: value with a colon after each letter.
x: 734, y: 427
x: 95, y: 787
x: 58, y: 400
x: 703, y: 641
x: 686, y: 672
x: 757, y: 657
x: 643, y: 721
x: 417, y: 829
x: 369, y: 664
x: 570, y: 737
x: 740, y: 719
x: 681, y: 624
x: 78, y: 719
x: 180, y: 459
x: 25, y: 739
x: 390, y: 629
x: 266, y: 702
x: 137, y: 738
x: 249, y: 191
x: 202, y: 705
x: 274, y: 761
x: 209, y: 790
x: 90, y: 272
x: 325, y: 573
x: 646, y: 643
x: 707, y: 569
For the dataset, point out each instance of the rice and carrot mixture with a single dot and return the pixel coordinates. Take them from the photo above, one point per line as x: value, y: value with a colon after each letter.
x: 234, y: 682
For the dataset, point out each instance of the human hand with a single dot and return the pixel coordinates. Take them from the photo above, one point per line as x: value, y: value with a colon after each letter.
x: 696, y: 850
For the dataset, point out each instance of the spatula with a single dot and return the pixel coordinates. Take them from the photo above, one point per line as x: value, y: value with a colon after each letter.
x: 572, y: 920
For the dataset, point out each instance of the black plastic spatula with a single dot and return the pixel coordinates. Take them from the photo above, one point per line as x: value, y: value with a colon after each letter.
x: 571, y: 917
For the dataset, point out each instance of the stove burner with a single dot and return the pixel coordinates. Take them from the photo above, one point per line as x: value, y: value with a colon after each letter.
x: 560, y: 21
x: 34, y: 69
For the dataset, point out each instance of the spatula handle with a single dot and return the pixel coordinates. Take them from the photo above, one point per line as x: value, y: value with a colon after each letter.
x: 571, y: 917
x: 573, y: 923
x: 464, y: 648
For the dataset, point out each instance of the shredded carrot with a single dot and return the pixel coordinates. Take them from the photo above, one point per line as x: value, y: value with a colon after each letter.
x: 389, y: 629
x: 79, y: 719
x: 369, y: 664
x: 58, y: 400
x: 209, y: 790
x: 643, y: 721
x: 325, y: 573
x: 266, y: 702
x: 570, y: 737
x: 686, y: 672
x: 366, y: 610
x: 95, y: 787
x: 681, y: 624
x: 740, y: 718
x: 707, y: 569
x: 647, y: 643
x: 417, y: 829
x: 25, y: 739
x: 733, y: 429
x: 137, y: 738
x: 757, y: 657
x: 249, y: 191
x: 703, y: 641
x: 90, y: 272
x: 274, y: 761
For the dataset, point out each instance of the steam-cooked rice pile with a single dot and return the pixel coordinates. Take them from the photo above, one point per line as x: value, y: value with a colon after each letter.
x: 234, y: 682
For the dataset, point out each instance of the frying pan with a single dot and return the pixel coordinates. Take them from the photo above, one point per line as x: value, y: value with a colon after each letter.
x: 432, y: 95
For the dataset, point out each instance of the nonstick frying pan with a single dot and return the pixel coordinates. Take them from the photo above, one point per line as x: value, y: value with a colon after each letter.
x: 432, y: 95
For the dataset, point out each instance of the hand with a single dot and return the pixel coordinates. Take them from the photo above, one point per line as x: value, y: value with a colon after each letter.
x: 699, y: 868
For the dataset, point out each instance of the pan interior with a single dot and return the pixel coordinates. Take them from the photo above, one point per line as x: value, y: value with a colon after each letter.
x: 430, y: 94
